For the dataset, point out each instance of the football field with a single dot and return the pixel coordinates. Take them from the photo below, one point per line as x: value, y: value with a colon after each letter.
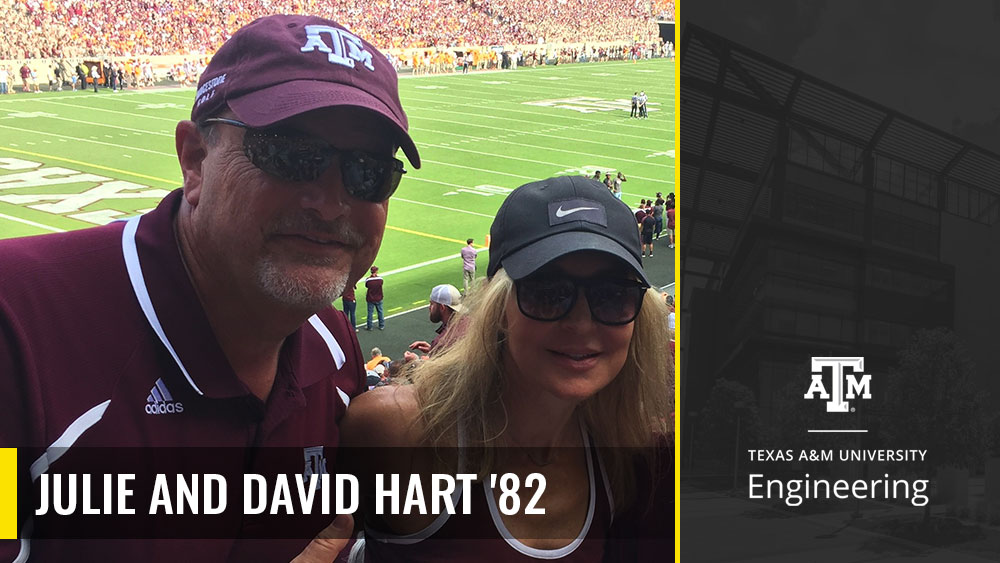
x: 70, y: 160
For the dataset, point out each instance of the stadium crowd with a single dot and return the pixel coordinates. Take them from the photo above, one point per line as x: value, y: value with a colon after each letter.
x: 84, y: 28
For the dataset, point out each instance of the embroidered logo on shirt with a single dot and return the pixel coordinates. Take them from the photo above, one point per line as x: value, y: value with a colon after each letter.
x: 315, y: 463
x: 160, y: 401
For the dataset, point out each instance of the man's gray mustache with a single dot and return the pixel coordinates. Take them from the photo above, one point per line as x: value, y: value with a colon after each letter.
x: 341, y: 230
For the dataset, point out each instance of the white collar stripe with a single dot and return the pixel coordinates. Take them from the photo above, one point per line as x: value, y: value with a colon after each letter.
x: 68, y: 438
x: 142, y: 294
x: 335, y: 350
x: 344, y: 397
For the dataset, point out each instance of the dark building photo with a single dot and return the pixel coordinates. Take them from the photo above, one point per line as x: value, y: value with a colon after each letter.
x: 816, y: 222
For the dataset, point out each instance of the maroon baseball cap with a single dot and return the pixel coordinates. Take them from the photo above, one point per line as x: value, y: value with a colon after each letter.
x: 280, y: 66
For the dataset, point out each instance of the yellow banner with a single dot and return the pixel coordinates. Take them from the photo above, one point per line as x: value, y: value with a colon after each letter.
x: 8, y: 493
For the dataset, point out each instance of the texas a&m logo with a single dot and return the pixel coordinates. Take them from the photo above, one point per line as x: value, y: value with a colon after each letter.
x: 344, y: 48
x: 315, y: 463
x: 843, y: 385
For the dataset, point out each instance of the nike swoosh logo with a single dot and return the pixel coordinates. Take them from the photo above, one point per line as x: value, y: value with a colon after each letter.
x: 560, y: 213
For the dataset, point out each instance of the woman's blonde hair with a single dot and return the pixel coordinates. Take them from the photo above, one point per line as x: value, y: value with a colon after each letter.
x: 462, y: 386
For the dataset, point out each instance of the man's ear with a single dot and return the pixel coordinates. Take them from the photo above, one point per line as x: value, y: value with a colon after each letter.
x: 192, y: 149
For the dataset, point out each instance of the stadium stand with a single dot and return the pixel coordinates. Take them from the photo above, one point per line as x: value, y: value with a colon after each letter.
x: 36, y: 29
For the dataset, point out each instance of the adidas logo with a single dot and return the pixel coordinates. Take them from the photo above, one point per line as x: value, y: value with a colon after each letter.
x: 160, y: 401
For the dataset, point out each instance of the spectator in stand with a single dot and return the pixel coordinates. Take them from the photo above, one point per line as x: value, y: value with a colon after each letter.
x: 373, y: 295
x: 445, y: 303
x: 670, y: 316
x: 377, y: 358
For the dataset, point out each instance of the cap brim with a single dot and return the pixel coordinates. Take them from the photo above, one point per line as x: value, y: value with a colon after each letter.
x: 528, y: 260
x: 270, y: 105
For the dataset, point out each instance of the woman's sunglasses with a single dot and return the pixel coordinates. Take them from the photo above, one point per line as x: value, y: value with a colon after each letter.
x: 612, y: 301
x: 299, y: 158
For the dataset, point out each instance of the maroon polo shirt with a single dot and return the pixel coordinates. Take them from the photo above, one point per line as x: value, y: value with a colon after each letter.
x: 104, y: 343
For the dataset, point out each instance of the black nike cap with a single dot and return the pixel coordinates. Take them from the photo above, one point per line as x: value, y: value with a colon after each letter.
x: 545, y: 220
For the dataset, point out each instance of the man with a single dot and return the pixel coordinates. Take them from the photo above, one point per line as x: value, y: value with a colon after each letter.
x: 111, y: 72
x: 617, y: 189
x: 58, y: 78
x: 95, y: 74
x: 207, y: 322
x: 658, y: 215
x: 25, y: 78
x: 646, y: 229
x: 445, y: 302
x: 468, y: 264
x: 640, y: 212
x: 670, y: 222
x: 377, y: 358
x: 635, y: 105
x: 642, y: 105
x: 373, y: 295
x: 350, y: 303
x: 81, y: 72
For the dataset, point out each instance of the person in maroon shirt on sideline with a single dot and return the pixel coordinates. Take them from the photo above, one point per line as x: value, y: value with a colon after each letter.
x: 207, y: 322
x: 351, y: 305
x: 373, y: 295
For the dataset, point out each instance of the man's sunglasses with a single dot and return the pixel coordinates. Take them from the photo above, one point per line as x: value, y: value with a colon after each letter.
x: 612, y: 301
x: 296, y: 157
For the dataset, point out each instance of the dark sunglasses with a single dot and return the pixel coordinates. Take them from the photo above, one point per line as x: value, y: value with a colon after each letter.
x: 296, y: 157
x: 612, y: 301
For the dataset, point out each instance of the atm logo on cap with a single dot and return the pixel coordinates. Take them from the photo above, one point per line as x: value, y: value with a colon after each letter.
x: 577, y: 210
x: 344, y: 47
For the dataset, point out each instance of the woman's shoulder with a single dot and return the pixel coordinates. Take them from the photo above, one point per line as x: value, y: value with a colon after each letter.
x: 386, y: 416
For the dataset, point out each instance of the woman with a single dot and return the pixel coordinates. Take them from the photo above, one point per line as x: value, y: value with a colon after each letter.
x: 561, y: 371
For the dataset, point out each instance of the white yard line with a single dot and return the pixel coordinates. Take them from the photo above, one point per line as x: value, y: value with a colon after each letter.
x: 160, y: 153
x: 32, y: 223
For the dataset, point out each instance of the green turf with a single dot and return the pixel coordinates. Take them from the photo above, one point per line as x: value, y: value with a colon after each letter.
x: 479, y: 135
